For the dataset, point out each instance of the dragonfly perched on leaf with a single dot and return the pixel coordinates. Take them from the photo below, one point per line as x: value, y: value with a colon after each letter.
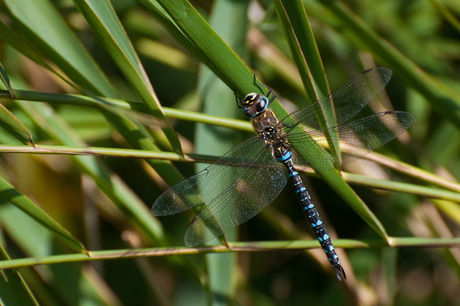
x: 250, y: 176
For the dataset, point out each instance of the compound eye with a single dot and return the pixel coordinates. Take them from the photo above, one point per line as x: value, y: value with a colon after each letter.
x: 250, y: 99
x: 261, y: 104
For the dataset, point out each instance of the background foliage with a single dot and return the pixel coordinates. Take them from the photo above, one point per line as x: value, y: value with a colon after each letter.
x: 90, y: 77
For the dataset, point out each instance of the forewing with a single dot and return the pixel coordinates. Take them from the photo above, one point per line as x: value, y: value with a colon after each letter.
x: 345, y: 102
x: 256, y: 187
x: 207, y: 184
x: 356, y: 139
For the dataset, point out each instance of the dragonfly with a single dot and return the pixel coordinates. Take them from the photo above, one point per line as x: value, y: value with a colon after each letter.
x: 250, y: 176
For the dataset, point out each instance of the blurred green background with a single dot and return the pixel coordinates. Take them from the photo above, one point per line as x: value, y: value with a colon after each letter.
x: 63, y: 58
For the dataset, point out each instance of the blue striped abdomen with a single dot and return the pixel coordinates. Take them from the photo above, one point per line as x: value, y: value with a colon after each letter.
x: 313, y: 216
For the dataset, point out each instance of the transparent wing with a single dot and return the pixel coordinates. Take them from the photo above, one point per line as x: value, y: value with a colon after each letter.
x: 345, y: 102
x: 235, y: 188
x: 242, y: 200
x: 207, y: 184
x: 356, y: 139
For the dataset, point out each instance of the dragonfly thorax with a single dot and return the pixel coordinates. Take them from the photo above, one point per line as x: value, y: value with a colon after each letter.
x: 269, y: 130
x: 254, y: 104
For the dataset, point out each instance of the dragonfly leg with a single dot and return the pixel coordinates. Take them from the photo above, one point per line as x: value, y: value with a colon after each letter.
x: 269, y: 92
x: 238, y: 99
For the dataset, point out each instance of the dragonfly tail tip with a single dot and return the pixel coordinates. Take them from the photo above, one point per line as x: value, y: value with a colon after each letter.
x: 339, y: 272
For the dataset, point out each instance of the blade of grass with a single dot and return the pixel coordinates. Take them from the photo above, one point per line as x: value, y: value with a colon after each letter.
x: 442, y: 98
x: 5, y: 80
x: 13, y: 290
x: 274, y: 58
x: 10, y: 194
x: 132, y: 107
x: 400, y: 187
x: 413, y: 171
x: 294, y: 21
x: 304, y: 50
x: 348, y: 177
x: 208, y: 46
x: 15, y: 127
x: 53, y: 38
x: 123, y: 198
x: 447, y: 14
x: 256, y: 246
x: 306, y: 56
x: 105, y: 24
x: 449, y: 208
x: 15, y: 41
x: 43, y: 30
x: 227, y: 19
x: 50, y: 282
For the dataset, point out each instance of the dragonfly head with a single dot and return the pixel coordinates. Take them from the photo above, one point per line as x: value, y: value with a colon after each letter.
x: 254, y: 104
